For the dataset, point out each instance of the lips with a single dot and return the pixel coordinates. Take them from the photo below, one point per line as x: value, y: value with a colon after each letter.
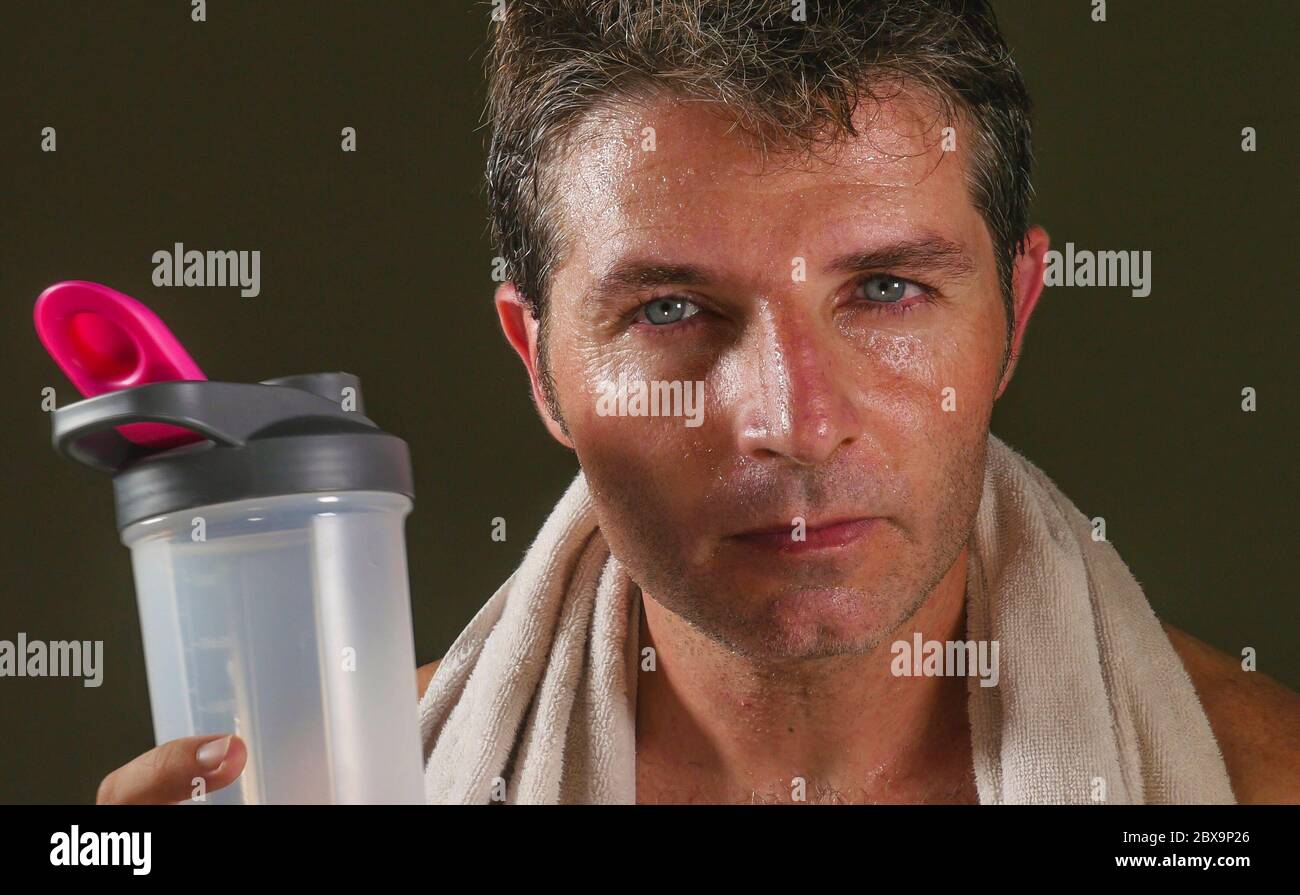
x: 817, y: 536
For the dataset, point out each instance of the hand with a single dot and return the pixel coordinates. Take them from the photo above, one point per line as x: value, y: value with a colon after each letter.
x: 165, y: 774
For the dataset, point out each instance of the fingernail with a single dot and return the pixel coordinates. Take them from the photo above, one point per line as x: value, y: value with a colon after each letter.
x: 212, y: 754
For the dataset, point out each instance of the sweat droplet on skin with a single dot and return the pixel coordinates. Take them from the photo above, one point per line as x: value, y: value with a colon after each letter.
x: 901, y: 353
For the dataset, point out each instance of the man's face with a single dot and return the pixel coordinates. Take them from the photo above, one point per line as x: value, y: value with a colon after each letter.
x: 845, y: 319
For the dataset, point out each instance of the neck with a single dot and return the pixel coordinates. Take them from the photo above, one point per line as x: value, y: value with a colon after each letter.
x: 715, y: 726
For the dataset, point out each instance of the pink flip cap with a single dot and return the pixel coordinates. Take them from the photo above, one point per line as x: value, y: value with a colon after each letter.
x: 105, y: 341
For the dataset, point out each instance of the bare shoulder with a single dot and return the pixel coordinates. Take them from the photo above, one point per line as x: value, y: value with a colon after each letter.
x: 1255, y: 719
x: 423, y: 675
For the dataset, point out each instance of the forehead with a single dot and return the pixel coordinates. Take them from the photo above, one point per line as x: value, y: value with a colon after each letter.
x: 675, y: 178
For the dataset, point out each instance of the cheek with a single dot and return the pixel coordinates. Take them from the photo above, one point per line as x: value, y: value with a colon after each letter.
x: 646, y: 478
x: 914, y: 385
x: 646, y: 473
x: 924, y: 397
x: 624, y: 451
x: 940, y: 372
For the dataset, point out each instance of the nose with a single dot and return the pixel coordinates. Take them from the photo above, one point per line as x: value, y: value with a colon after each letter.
x: 795, y: 401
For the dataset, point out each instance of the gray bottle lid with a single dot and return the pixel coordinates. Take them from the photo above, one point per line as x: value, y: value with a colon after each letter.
x: 289, y: 435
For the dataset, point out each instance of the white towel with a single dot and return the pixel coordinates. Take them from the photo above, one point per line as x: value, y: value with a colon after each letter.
x: 535, y: 702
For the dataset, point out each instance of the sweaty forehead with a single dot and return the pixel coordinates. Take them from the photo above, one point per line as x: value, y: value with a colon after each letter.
x: 674, y: 176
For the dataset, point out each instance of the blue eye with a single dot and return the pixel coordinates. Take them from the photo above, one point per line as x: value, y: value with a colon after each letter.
x: 885, y: 288
x: 664, y: 311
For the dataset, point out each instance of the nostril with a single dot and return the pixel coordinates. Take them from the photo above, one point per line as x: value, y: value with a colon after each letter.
x: 101, y: 347
x: 802, y: 439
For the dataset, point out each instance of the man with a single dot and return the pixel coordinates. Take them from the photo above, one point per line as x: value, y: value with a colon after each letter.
x: 769, y: 273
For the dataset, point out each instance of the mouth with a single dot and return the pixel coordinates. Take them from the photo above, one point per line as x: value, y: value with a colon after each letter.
x: 819, y: 536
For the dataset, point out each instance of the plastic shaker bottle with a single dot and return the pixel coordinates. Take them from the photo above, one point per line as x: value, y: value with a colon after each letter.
x: 270, y: 564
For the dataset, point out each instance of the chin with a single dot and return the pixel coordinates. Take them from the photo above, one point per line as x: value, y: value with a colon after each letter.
x: 813, y: 623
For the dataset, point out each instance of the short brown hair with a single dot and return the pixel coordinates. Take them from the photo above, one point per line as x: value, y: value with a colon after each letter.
x: 797, y: 82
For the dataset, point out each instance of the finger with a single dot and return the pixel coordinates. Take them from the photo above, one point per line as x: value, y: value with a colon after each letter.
x: 167, y: 774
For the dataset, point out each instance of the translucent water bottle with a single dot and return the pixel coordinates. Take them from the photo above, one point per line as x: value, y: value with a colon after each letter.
x: 270, y: 569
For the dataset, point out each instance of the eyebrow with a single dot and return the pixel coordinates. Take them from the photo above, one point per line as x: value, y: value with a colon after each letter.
x: 926, y: 252
x: 635, y: 275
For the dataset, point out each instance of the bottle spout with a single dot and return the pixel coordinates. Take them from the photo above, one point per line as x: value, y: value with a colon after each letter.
x: 105, y: 341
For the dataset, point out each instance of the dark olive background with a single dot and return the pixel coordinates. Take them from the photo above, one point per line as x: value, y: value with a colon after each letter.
x: 225, y: 135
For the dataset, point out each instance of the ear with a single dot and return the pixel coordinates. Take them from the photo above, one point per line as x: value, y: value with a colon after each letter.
x: 520, y: 329
x: 1027, y: 284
